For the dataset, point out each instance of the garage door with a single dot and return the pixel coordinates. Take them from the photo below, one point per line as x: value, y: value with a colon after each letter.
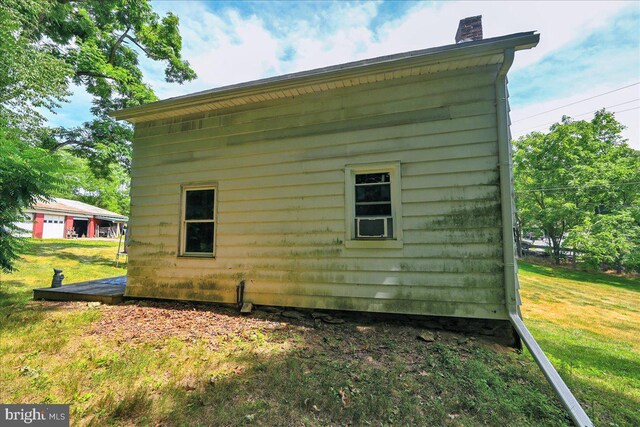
x: 53, y: 227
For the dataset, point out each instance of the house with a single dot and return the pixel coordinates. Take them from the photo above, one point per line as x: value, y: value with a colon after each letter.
x: 381, y: 185
x: 63, y: 218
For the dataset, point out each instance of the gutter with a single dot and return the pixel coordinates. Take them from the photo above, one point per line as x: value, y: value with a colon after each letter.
x: 571, y: 404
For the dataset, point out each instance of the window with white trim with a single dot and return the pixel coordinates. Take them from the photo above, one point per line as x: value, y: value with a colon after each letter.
x: 373, y: 206
x: 198, y: 221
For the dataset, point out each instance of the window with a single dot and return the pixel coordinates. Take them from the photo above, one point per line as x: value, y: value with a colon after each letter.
x: 198, y: 221
x: 373, y: 208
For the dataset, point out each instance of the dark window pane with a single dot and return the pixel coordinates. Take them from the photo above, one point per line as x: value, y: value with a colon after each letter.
x: 383, y: 209
x: 370, y: 178
x: 373, y: 193
x: 199, y: 204
x: 199, y: 237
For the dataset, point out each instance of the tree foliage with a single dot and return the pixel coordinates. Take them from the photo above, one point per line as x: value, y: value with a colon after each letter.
x: 611, y: 240
x: 580, y: 180
x: 94, y: 44
x: 31, y: 77
x: 26, y: 174
x: 109, y: 190
x: 48, y: 48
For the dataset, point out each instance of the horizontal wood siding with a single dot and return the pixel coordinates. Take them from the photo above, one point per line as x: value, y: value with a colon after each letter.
x: 279, y: 166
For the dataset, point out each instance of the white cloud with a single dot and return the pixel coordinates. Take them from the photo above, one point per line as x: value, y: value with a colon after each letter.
x: 227, y: 47
x: 428, y: 25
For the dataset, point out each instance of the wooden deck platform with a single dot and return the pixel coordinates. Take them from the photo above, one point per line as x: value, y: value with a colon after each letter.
x: 106, y: 291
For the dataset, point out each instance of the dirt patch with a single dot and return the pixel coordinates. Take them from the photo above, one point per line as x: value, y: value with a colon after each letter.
x: 369, y: 339
x: 149, y: 321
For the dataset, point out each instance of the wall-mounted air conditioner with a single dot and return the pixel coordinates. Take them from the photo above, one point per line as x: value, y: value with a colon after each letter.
x: 372, y: 227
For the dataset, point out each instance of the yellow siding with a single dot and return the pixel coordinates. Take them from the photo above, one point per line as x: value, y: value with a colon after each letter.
x: 280, y: 170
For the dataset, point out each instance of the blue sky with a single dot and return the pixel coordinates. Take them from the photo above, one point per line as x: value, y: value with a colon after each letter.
x: 586, y: 50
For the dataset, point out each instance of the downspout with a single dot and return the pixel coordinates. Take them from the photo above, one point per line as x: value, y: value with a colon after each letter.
x: 579, y: 417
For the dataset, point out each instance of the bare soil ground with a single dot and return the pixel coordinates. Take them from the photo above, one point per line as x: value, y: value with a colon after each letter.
x: 148, y: 321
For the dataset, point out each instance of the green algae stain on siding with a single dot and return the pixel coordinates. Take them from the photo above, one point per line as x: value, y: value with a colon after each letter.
x: 287, y: 159
x: 487, y: 214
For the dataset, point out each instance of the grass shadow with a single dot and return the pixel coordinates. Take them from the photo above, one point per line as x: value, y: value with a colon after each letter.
x: 609, y: 408
x: 19, y: 311
x: 593, y: 359
x: 10, y: 299
x: 321, y: 383
x: 35, y: 246
x: 64, y: 255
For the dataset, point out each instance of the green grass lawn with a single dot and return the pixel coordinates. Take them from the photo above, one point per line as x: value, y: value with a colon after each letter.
x: 588, y: 324
x: 184, y: 364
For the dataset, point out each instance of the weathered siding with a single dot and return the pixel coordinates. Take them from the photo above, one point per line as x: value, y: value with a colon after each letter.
x: 280, y: 170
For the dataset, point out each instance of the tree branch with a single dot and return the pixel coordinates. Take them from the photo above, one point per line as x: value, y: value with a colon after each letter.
x: 65, y: 143
x: 149, y: 54
x: 112, y: 55
x: 93, y: 74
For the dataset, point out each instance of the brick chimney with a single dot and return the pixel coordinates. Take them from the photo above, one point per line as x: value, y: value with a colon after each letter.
x: 469, y: 29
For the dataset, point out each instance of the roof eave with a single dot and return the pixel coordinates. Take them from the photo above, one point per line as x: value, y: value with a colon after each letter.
x: 517, y: 41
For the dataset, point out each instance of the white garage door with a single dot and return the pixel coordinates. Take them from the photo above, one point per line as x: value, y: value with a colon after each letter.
x: 53, y: 227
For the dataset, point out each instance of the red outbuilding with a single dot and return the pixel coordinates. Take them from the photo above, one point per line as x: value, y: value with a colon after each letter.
x: 63, y: 218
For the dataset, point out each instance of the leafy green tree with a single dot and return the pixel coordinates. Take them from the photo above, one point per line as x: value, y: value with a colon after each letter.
x: 31, y: 77
x: 108, y: 190
x: 608, y: 241
x: 26, y: 174
x: 567, y: 179
x: 97, y: 44
x: 47, y: 47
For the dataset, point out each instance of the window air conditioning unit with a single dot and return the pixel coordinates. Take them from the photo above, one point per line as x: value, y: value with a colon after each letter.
x: 380, y: 227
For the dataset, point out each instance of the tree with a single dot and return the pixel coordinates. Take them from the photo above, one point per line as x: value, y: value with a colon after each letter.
x: 31, y: 77
x: 109, y: 191
x: 26, y: 173
x: 608, y: 241
x: 573, y: 173
x: 96, y: 44
x: 46, y: 46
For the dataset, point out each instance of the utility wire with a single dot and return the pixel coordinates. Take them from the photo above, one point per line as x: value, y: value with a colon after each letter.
x: 584, y: 114
x: 573, y: 187
x: 628, y: 109
x: 593, y: 111
x: 577, y: 102
x: 611, y: 106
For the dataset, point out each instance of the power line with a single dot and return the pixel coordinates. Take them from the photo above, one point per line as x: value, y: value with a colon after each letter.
x: 577, y: 102
x: 628, y: 109
x: 574, y: 187
x: 584, y: 114
x: 611, y: 106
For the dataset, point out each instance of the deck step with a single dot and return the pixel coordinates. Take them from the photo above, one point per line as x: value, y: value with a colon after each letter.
x: 106, y: 291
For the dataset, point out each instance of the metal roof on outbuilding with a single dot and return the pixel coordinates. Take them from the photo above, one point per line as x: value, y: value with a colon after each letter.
x: 76, y: 207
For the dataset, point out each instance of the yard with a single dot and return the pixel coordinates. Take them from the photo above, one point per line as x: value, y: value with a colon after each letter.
x: 154, y: 363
